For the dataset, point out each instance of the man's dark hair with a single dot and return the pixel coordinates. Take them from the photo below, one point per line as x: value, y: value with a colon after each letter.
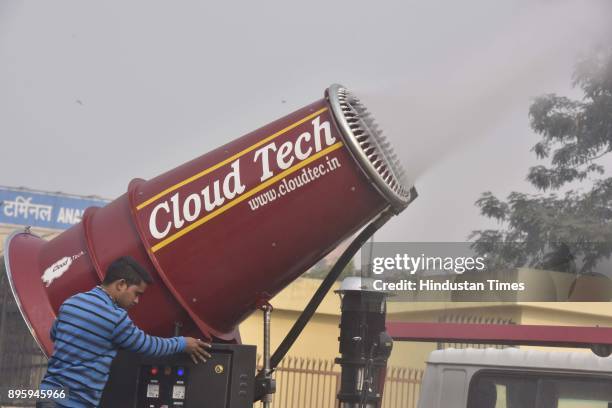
x: 126, y: 268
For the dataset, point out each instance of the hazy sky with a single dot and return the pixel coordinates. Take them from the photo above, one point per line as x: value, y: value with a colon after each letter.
x: 95, y: 94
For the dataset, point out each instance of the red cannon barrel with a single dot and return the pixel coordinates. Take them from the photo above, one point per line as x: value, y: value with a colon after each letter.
x: 226, y: 230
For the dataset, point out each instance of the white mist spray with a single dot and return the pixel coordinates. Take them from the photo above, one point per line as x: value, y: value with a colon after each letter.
x: 428, y: 116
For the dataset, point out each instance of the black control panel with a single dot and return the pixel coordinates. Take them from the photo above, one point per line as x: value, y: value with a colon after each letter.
x: 226, y: 380
x: 162, y: 386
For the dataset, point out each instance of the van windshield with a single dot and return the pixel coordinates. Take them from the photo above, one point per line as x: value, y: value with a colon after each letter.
x: 494, y: 390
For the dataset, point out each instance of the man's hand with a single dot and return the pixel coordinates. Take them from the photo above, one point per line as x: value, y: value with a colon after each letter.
x: 196, y: 349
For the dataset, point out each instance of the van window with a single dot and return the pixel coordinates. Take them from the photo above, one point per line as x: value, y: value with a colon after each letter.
x: 525, y: 390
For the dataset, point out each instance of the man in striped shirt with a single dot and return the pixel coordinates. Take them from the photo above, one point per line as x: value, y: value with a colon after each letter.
x: 92, y: 326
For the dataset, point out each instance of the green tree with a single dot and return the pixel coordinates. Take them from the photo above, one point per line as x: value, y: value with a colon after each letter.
x: 572, y: 216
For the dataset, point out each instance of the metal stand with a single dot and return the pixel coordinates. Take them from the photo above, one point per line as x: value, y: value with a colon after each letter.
x: 348, y: 254
x: 364, y: 344
x: 265, y: 382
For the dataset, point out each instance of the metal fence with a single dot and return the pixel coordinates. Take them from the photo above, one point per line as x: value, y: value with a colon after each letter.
x: 314, y: 383
x: 306, y: 382
x: 472, y: 319
x: 402, y: 387
x: 22, y: 364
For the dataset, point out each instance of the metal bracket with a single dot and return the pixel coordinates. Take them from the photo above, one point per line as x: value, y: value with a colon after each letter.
x: 265, y: 385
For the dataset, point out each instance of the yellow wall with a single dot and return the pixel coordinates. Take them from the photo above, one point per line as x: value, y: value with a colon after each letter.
x: 320, y: 337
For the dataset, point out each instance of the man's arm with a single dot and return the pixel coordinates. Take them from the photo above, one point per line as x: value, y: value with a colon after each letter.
x: 129, y: 337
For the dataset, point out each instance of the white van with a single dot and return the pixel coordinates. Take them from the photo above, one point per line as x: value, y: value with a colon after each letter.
x: 514, y: 378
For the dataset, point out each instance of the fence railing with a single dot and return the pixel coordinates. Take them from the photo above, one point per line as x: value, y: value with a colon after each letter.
x: 22, y: 364
x: 471, y: 319
x: 402, y: 387
x: 314, y: 383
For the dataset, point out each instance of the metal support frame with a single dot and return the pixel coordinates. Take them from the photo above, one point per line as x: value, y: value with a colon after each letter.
x: 598, y: 339
x: 264, y: 383
x: 364, y: 344
x: 317, y: 298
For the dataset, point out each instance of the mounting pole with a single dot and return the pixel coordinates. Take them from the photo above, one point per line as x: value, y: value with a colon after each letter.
x: 364, y: 344
x: 265, y: 381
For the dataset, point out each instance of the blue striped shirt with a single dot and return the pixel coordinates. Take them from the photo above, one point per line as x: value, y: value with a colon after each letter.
x: 87, y: 333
